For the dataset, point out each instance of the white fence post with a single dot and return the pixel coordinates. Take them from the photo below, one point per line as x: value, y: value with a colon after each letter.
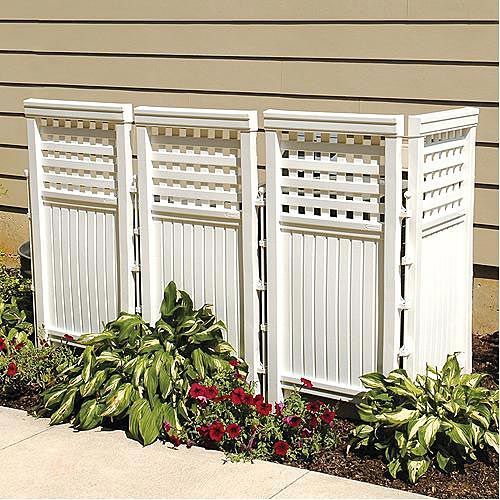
x: 439, y: 235
x: 197, y: 191
x: 80, y: 173
x: 333, y: 248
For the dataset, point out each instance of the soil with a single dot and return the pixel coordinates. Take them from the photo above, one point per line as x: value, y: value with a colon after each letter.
x: 477, y: 480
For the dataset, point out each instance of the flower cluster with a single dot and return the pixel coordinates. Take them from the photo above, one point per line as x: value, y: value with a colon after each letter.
x: 234, y: 419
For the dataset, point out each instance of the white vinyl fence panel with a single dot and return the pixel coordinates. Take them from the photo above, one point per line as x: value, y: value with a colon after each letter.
x: 439, y: 237
x: 198, y: 220
x: 80, y: 177
x: 333, y: 234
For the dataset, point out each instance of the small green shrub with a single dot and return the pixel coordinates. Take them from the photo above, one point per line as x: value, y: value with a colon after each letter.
x: 232, y: 419
x: 13, y: 285
x: 13, y: 322
x: 442, y: 418
x: 141, y: 374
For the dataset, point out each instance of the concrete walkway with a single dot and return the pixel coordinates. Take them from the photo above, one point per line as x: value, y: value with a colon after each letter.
x: 41, y: 461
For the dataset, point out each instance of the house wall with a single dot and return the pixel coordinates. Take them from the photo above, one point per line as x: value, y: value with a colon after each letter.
x: 382, y: 56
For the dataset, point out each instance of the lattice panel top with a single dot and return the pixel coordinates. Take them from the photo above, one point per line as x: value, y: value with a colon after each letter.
x: 332, y: 176
x: 444, y: 174
x: 196, y: 167
x: 79, y: 160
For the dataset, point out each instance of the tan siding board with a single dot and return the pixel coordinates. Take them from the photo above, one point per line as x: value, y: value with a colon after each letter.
x: 403, y: 81
x: 17, y: 193
x: 486, y: 206
x: 487, y: 165
x: 254, y: 10
x: 13, y: 161
x: 459, y: 42
x: 486, y: 246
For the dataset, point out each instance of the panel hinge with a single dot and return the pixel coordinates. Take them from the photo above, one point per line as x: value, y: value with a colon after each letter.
x: 261, y: 197
x: 137, y: 231
x: 404, y: 351
x: 136, y: 268
x: 262, y: 243
x: 407, y: 195
x: 404, y: 214
x: 138, y: 309
x: 406, y: 261
x: 133, y: 186
x: 403, y: 305
x: 261, y: 286
x: 263, y: 327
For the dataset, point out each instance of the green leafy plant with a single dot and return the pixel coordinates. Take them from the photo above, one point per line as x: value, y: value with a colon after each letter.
x: 141, y: 374
x: 14, y: 285
x: 443, y: 418
x: 234, y: 420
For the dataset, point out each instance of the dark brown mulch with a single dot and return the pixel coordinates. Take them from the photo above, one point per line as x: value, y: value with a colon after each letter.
x: 485, y: 356
x: 478, y: 480
x: 27, y: 401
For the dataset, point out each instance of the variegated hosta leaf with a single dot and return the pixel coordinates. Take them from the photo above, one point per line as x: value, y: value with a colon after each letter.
x: 427, y: 432
x: 492, y: 440
x: 89, y: 415
x: 91, y: 387
x: 54, y: 397
x: 88, y: 358
x: 118, y: 401
x: 373, y: 381
x: 416, y: 468
x: 64, y: 411
x: 402, y: 416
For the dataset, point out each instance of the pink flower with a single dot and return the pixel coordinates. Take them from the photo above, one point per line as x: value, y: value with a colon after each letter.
x: 278, y: 408
x: 166, y: 426
x: 293, y: 421
x: 306, y: 382
x: 233, y: 430
x: 197, y: 391
x: 314, y: 406
x: 69, y: 338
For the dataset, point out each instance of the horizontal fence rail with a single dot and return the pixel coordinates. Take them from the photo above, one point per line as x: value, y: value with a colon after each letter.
x: 334, y: 268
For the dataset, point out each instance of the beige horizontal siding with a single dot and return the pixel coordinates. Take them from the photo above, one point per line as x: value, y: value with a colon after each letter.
x: 485, y: 201
x: 204, y: 10
x: 376, y: 80
x: 485, y: 247
x: 454, y: 42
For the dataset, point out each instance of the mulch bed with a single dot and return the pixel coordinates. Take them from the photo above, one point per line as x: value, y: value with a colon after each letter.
x: 477, y: 480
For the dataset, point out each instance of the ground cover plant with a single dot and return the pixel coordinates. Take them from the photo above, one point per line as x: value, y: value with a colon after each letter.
x: 141, y: 374
x: 444, y: 418
x: 24, y: 368
x: 233, y: 419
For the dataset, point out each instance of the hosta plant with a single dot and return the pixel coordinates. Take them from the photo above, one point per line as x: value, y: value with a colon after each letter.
x: 139, y: 373
x: 442, y: 418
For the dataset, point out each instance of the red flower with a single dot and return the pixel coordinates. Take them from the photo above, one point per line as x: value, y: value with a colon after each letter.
x: 197, y: 390
x: 19, y: 346
x: 306, y: 382
x: 11, y: 369
x: 237, y: 395
x: 293, y: 421
x: 2, y: 344
x: 247, y: 399
x: 203, y: 430
x: 69, y: 338
x: 313, y: 423
x: 166, y: 426
x: 258, y: 399
x: 233, y: 430
x: 238, y: 375
x: 216, y: 431
x: 281, y: 448
x: 233, y: 362
x: 175, y: 441
x: 211, y: 392
x: 314, y: 406
x: 264, y: 408
x: 327, y: 416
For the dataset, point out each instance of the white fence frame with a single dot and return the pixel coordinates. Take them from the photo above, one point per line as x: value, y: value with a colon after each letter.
x: 440, y: 203
x: 389, y: 126
x: 82, y: 152
x: 194, y: 205
x: 72, y: 166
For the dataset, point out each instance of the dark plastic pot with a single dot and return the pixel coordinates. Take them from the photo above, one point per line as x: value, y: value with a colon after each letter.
x: 24, y: 252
